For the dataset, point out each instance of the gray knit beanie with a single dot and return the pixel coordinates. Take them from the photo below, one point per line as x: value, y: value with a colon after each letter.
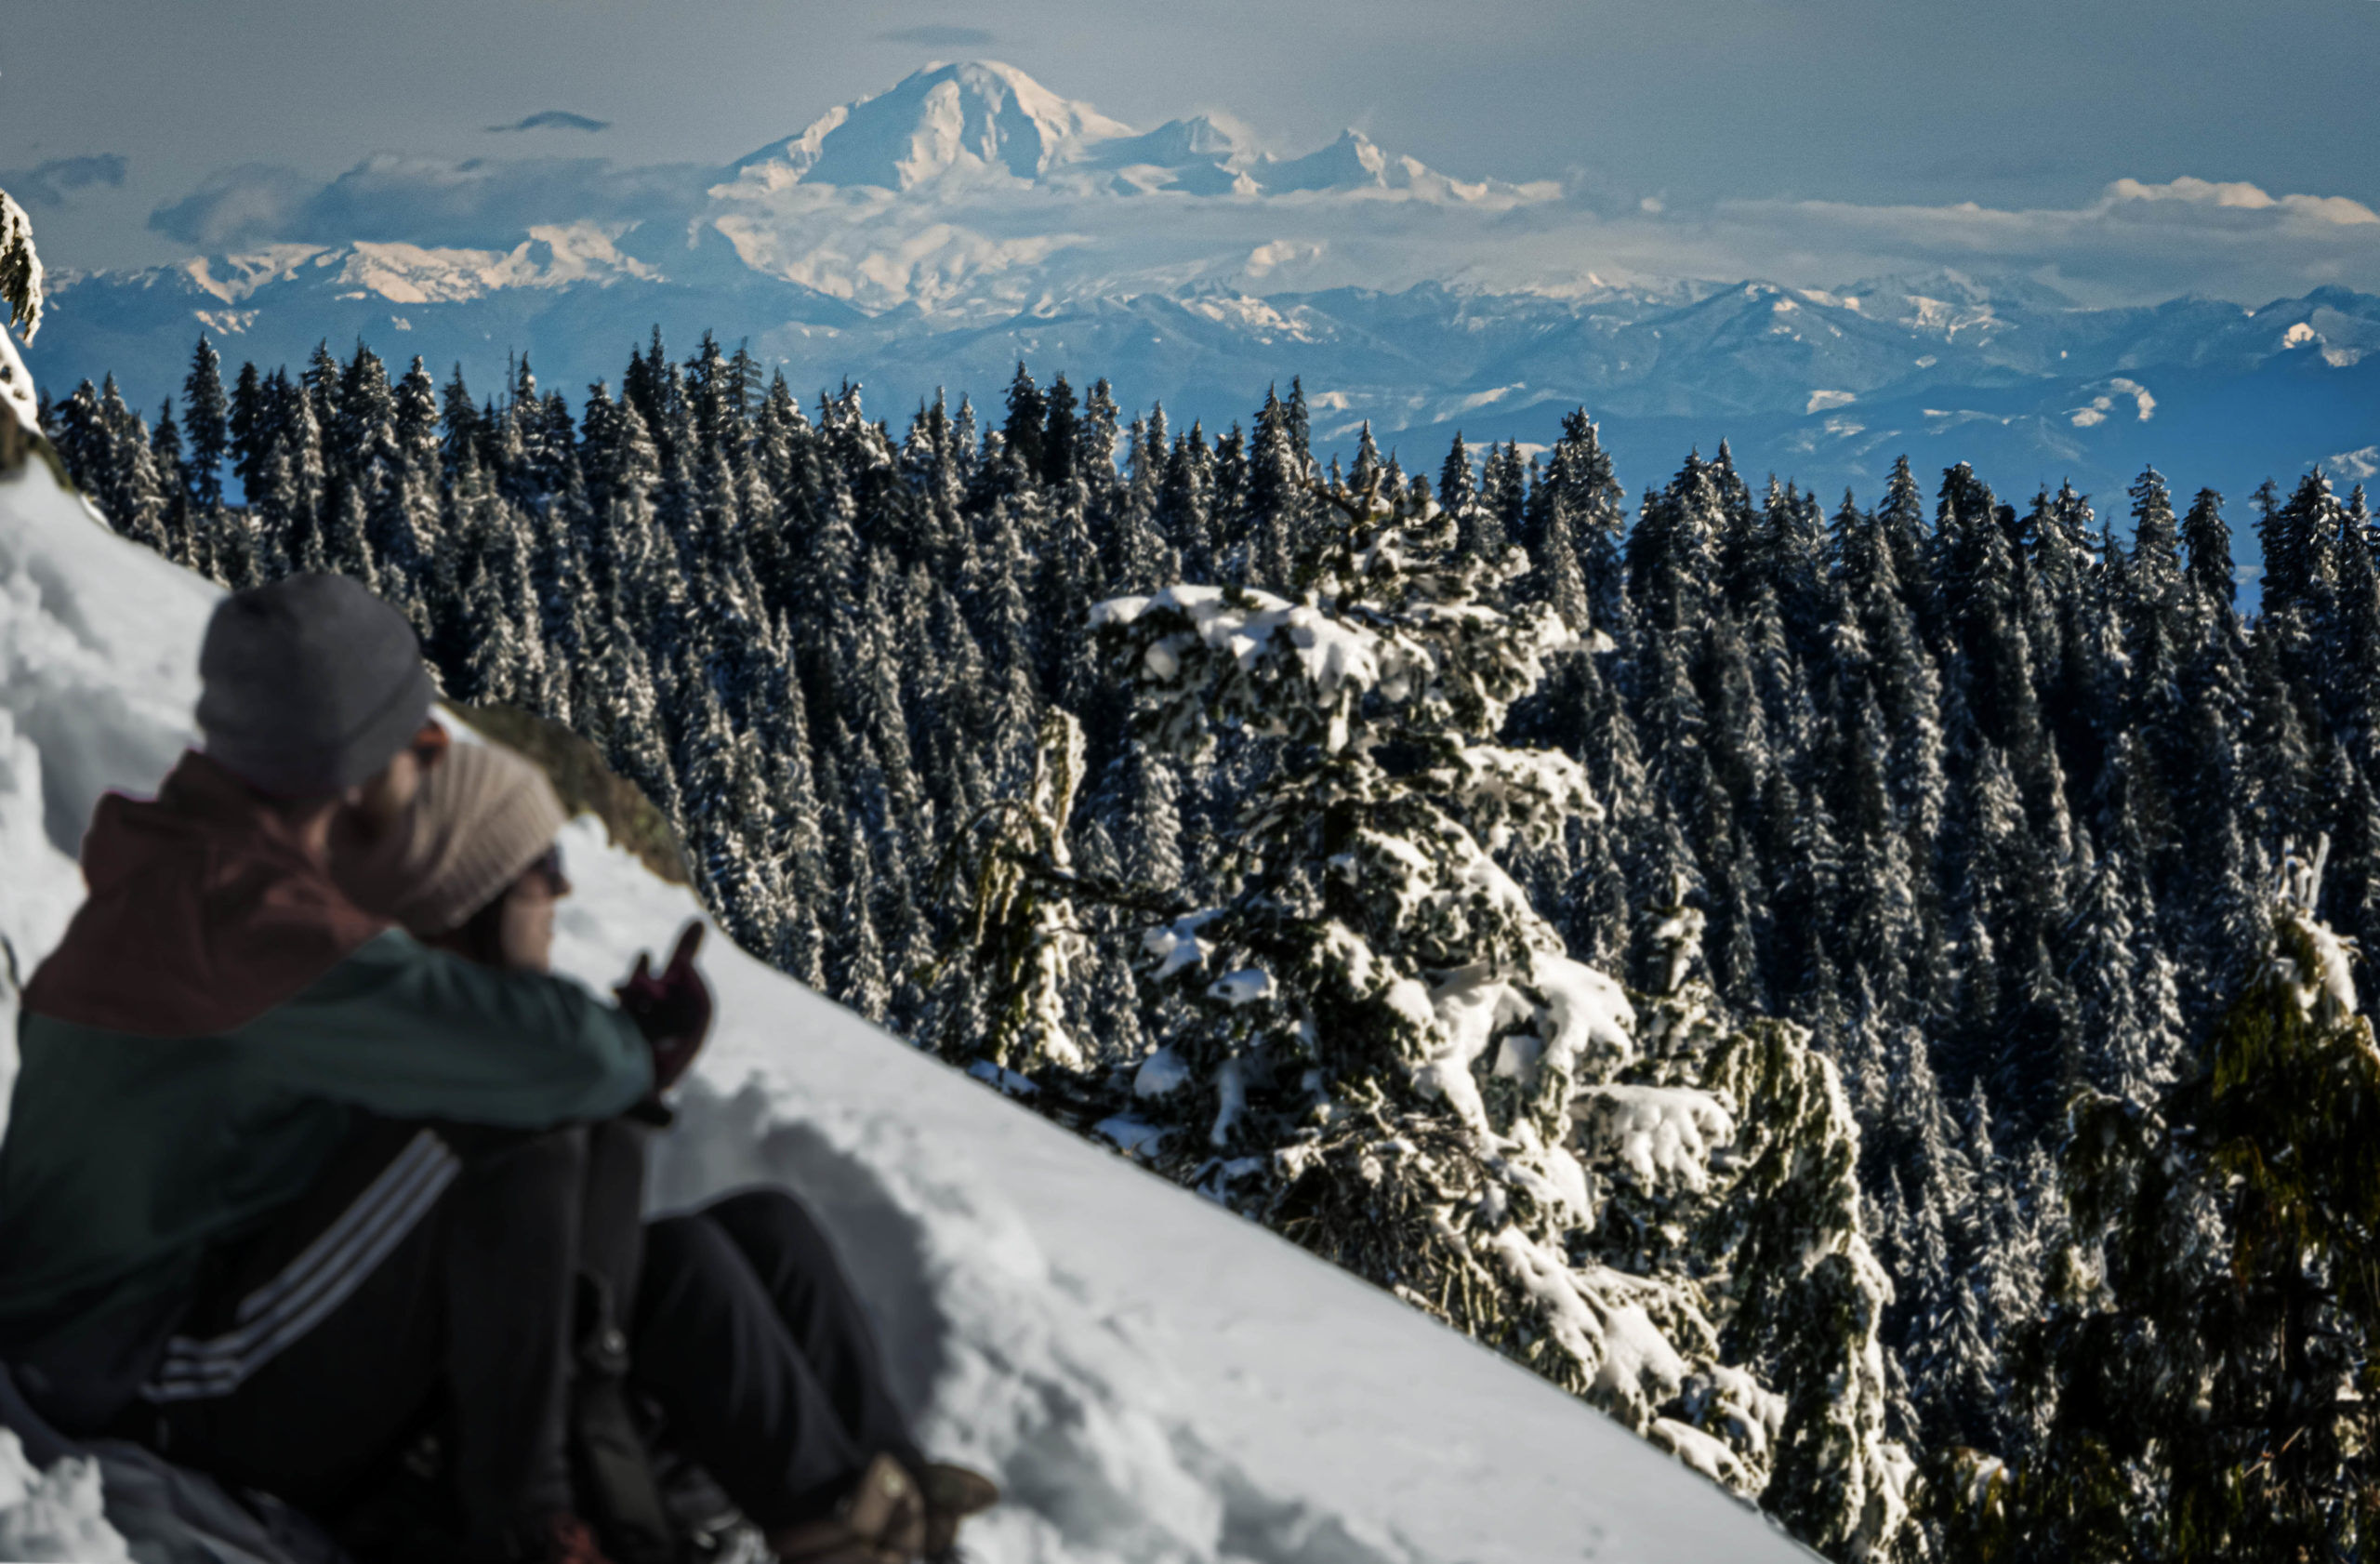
x: 311, y: 685
x: 482, y: 816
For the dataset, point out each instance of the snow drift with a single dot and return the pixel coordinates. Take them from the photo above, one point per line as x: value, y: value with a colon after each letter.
x: 1152, y: 1379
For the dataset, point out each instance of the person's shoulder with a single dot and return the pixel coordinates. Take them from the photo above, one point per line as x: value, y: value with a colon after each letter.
x: 390, y: 951
x: 37, y: 1030
x: 391, y: 960
x: 391, y: 980
x: 56, y: 1056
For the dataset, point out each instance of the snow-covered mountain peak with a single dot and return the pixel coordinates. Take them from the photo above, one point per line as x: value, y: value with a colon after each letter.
x: 1352, y: 162
x: 1946, y: 300
x: 1201, y: 138
x: 552, y: 256
x: 974, y: 116
x: 2343, y: 327
x: 969, y: 191
x: 232, y: 277
x: 978, y: 123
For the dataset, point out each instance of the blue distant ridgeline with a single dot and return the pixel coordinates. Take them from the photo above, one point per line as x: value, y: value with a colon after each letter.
x: 1824, y: 389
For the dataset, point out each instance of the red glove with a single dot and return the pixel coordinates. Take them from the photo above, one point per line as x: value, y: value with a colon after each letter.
x: 672, y: 1011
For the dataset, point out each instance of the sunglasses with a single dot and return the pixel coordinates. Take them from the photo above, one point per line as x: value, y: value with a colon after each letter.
x: 548, y: 864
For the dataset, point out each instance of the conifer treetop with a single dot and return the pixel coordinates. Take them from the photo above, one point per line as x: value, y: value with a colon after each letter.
x: 20, y: 291
x: 20, y: 274
x: 1016, y: 927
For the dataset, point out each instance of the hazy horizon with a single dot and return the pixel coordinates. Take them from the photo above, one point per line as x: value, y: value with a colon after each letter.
x: 1699, y: 136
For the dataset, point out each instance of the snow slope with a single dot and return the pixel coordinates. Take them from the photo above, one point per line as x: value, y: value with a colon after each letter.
x: 1153, y: 1380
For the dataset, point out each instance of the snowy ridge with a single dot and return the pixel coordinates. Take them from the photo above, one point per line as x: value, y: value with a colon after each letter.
x: 550, y: 257
x: 1152, y: 1379
x: 969, y: 190
x: 934, y: 233
x: 850, y: 286
x: 978, y: 118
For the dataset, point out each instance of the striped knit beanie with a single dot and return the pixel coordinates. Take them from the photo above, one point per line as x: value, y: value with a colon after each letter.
x: 483, y: 816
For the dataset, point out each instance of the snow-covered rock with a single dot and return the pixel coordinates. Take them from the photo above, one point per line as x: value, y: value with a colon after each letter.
x: 1151, y: 1378
x: 54, y: 1513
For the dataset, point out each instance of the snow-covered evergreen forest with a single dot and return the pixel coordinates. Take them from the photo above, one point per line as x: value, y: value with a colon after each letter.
x: 1673, y: 938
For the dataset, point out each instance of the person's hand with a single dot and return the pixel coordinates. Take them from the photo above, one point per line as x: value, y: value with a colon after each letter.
x: 672, y: 1009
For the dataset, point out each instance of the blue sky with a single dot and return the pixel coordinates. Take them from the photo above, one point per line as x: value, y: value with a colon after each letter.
x: 1861, y: 116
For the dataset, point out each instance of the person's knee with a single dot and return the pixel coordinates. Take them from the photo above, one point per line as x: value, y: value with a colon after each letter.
x: 614, y: 1140
x: 524, y: 1170
x: 673, y: 1242
x: 683, y: 1254
x: 772, y: 1222
x: 689, y: 1269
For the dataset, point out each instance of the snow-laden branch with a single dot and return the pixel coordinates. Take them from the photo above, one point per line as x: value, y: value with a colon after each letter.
x: 20, y: 291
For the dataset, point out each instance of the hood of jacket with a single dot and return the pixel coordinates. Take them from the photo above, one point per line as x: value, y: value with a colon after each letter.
x: 206, y: 909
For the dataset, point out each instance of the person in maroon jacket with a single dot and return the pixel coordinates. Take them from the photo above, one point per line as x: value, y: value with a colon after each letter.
x: 277, y: 1176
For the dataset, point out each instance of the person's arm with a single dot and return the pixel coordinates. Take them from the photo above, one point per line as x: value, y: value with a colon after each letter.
x: 410, y: 1032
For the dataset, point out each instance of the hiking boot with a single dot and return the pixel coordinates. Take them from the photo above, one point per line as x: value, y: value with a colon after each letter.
x: 881, y: 1521
x: 556, y: 1537
x: 569, y: 1541
x: 952, y: 1493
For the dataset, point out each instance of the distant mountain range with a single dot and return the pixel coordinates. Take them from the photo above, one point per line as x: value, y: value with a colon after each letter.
x: 935, y: 235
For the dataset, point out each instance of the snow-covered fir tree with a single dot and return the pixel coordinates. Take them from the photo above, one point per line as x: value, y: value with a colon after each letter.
x: 1018, y: 932
x: 1379, y: 1047
x: 2202, y: 1383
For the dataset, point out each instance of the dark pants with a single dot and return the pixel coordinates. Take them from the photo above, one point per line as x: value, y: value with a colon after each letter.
x: 760, y: 1355
x: 433, y: 1277
x: 429, y: 1271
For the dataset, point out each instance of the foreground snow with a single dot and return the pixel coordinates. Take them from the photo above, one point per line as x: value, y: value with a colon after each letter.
x: 1152, y: 1379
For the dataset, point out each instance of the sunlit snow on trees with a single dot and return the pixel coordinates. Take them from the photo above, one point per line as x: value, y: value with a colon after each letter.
x: 1377, y: 1045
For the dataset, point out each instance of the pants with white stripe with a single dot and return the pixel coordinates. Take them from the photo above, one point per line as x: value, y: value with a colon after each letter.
x: 430, y: 1271
x: 430, y: 1275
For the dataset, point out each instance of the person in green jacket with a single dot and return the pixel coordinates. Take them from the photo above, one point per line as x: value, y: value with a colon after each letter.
x: 277, y: 1176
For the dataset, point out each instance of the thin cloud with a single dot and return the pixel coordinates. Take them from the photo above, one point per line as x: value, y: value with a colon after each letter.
x: 986, y: 245
x: 2136, y: 241
x: 478, y: 202
x: 250, y: 202
x: 937, y: 35
x: 552, y: 119
x: 50, y: 184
